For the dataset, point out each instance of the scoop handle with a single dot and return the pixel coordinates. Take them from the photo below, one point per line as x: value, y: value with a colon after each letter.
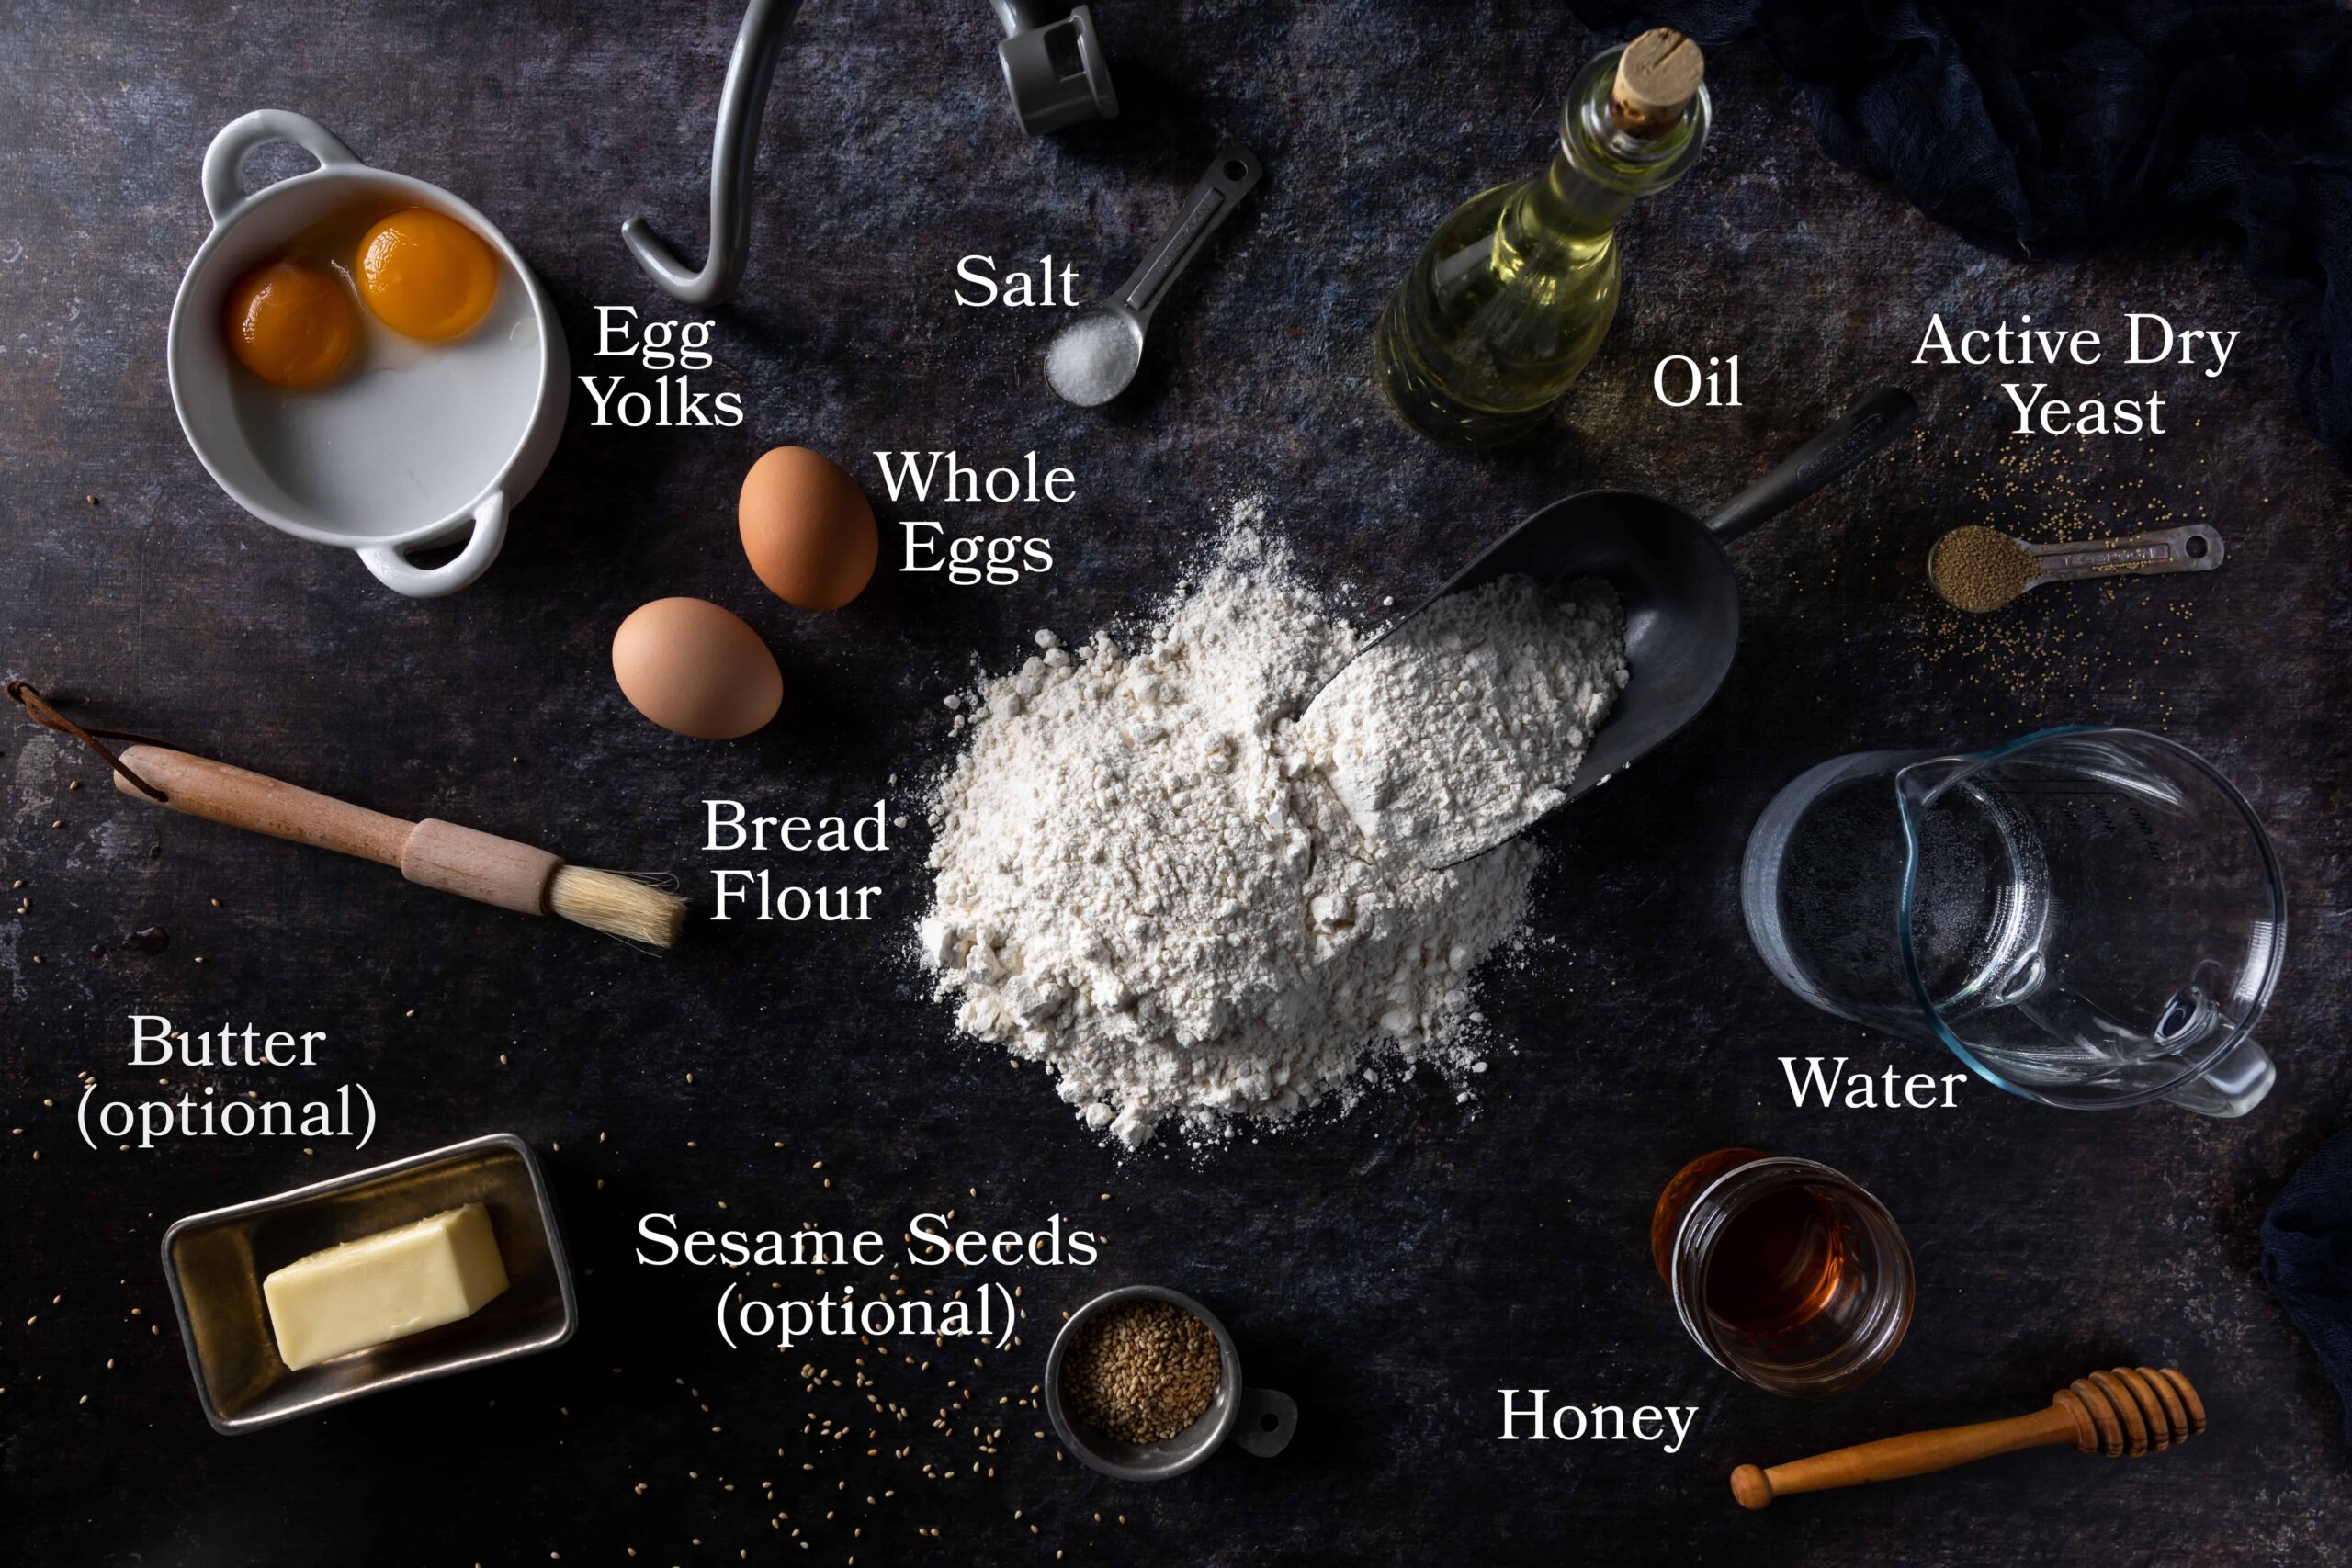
x: 1880, y: 418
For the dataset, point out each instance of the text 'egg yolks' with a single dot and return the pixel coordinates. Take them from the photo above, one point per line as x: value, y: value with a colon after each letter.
x: 425, y: 276
x: 289, y: 324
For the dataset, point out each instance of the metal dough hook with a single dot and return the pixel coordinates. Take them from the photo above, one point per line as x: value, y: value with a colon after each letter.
x: 733, y: 146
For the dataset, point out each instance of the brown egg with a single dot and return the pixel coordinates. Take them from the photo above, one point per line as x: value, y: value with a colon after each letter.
x: 808, y: 529
x: 692, y: 667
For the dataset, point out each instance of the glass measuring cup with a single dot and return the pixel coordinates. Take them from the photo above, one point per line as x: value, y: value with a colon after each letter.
x: 2086, y: 917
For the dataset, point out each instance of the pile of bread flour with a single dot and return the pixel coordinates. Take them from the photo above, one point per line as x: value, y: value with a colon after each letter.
x: 1145, y: 881
x: 1468, y: 722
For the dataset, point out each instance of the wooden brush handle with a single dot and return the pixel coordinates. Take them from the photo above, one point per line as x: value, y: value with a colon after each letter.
x: 430, y: 853
x: 219, y: 793
x: 1890, y: 1459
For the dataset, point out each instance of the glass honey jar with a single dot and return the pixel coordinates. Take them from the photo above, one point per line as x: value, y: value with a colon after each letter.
x: 1789, y: 1274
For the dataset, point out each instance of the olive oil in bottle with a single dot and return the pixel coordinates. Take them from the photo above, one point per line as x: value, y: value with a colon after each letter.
x: 1514, y: 292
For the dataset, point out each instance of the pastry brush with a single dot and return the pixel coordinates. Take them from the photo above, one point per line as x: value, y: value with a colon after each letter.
x: 432, y: 853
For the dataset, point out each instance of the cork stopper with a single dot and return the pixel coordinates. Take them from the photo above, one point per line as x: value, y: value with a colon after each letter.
x: 1657, y: 76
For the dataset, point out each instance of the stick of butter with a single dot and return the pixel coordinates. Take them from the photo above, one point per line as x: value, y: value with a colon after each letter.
x: 385, y: 1286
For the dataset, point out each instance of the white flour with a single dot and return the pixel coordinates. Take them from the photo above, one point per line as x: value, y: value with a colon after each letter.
x: 1469, y: 722
x: 1141, y: 880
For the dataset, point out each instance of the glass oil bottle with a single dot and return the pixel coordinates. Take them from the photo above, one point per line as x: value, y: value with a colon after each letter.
x: 1513, y: 294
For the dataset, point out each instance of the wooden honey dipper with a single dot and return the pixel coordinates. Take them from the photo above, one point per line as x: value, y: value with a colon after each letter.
x: 2118, y: 1414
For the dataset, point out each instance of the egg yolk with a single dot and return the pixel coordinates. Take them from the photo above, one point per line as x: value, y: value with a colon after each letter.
x: 289, y: 324
x: 425, y: 276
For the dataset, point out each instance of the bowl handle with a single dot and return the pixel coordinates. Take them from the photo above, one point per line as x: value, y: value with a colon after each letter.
x: 1266, y: 1422
x: 222, y: 188
x: 393, y: 569
x: 2232, y: 1086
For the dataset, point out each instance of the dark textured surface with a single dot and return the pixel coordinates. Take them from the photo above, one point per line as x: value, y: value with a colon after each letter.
x: 1392, y: 1268
x: 2205, y: 111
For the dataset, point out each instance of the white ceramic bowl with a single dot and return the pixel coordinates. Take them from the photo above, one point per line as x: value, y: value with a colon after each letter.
x: 419, y: 445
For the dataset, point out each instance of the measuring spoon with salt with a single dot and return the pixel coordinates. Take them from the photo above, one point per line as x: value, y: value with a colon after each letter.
x: 1095, y: 355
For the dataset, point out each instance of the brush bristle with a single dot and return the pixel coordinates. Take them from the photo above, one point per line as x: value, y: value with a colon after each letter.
x: 618, y: 905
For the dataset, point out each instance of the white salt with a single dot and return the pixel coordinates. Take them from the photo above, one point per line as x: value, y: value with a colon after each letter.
x: 1092, y: 359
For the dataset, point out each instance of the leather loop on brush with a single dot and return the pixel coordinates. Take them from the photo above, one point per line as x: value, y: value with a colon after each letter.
x: 28, y: 696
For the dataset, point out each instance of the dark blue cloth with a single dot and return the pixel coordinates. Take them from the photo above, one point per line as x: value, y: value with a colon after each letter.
x: 2053, y: 127
x: 2307, y: 1258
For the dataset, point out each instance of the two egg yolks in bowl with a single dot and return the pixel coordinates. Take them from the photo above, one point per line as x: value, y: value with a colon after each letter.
x: 423, y: 275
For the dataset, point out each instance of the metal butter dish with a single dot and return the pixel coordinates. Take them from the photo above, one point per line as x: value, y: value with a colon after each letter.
x: 215, y: 1262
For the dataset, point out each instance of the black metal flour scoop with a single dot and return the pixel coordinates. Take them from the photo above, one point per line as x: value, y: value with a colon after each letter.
x: 1680, y: 598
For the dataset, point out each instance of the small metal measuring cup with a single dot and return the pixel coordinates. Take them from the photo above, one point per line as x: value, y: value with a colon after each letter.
x: 1259, y: 1419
